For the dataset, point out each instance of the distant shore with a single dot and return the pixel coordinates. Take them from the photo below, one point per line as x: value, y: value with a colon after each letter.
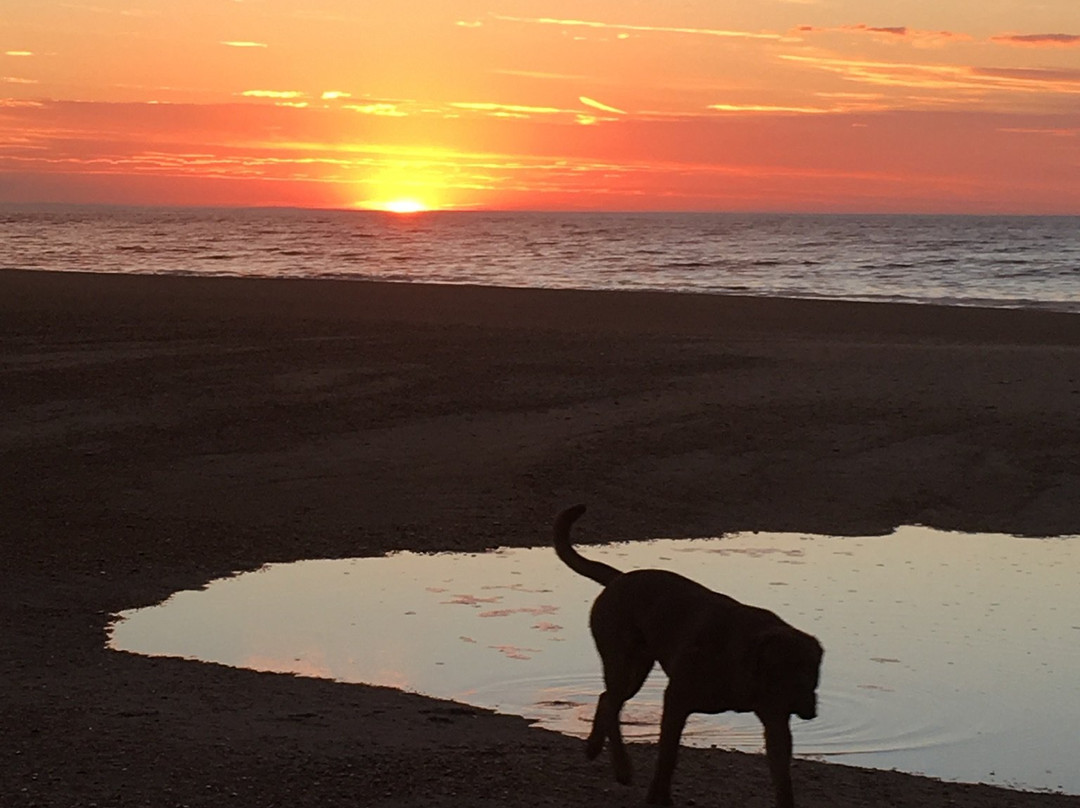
x: 160, y: 431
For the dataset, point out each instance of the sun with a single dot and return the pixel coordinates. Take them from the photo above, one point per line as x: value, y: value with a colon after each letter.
x: 403, y: 206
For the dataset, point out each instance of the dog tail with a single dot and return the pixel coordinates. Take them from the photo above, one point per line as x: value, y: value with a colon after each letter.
x: 599, y: 572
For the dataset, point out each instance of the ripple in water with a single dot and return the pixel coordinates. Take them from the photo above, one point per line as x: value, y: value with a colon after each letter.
x: 946, y: 654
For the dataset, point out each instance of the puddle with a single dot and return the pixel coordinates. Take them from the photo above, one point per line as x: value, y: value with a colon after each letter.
x: 952, y: 655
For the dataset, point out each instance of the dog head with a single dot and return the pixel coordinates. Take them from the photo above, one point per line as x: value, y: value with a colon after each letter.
x: 787, y: 670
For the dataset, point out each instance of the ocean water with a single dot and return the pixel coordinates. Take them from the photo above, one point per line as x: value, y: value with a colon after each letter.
x: 996, y: 261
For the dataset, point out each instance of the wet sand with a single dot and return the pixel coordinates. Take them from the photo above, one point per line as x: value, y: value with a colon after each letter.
x: 158, y: 432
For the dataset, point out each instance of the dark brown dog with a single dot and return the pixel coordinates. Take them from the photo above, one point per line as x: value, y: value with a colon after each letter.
x: 718, y: 654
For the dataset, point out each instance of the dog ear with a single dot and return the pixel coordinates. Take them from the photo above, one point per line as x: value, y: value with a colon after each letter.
x: 772, y: 653
x: 783, y: 655
x: 783, y: 648
x: 788, y: 663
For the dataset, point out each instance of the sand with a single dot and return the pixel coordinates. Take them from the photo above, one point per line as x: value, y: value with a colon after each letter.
x: 158, y: 432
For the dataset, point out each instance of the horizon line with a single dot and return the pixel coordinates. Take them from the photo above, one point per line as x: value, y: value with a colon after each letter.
x: 547, y: 211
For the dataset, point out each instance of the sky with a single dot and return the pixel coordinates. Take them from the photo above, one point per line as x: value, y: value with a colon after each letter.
x: 797, y: 105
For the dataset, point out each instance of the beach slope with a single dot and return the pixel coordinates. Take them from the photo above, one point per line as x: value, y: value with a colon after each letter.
x: 161, y: 431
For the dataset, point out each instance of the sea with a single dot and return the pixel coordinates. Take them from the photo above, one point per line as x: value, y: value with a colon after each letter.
x: 988, y: 261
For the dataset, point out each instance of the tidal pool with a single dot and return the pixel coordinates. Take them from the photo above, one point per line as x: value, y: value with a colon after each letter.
x: 951, y: 655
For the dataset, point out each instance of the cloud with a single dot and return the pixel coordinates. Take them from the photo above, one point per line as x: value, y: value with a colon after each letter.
x: 17, y: 80
x: 1041, y: 75
x: 18, y: 53
x: 279, y: 94
x: 537, y: 74
x: 589, y: 102
x: 334, y: 95
x: 650, y: 29
x: 1034, y: 131
x: 1038, y: 40
x: 381, y: 108
x: 892, y: 33
x: 945, y: 77
x: 244, y: 44
x: 766, y: 109
x: 506, y: 110
x: 897, y: 31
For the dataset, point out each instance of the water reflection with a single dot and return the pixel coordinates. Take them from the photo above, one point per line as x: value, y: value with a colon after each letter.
x: 946, y: 654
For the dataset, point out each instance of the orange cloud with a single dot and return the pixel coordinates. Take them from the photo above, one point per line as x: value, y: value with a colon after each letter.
x: 1060, y: 79
x: 647, y: 29
x: 280, y: 94
x: 767, y: 109
x: 1050, y: 132
x: 516, y: 110
x: 946, y: 77
x: 241, y: 44
x: 589, y: 102
x: 380, y: 108
x: 1039, y: 40
x: 892, y: 34
x: 539, y: 74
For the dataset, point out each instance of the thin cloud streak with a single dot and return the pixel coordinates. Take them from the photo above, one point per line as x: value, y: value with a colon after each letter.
x: 281, y: 94
x: 1039, y: 40
x: 944, y: 77
x: 892, y: 34
x: 767, y: 109
x: 589, y: 102
x: 648, y: 29
x: 520, y: 109
x: 380, y: 108
x: 539, y: 74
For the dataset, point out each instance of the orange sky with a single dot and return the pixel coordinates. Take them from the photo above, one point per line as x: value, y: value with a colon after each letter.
x: 809, y: 105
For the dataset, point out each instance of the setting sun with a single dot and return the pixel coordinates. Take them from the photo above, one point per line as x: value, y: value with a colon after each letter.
x: 403, y: 206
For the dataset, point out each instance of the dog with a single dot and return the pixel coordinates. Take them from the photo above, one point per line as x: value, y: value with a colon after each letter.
x: 718, y: 654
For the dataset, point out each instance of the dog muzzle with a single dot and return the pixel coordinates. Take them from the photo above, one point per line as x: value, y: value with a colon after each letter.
x: 807, y: 711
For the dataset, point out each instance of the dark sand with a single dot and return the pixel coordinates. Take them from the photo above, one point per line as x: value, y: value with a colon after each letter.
x: 158, y: 432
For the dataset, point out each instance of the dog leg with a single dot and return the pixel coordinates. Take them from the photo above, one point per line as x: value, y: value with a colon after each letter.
x: 671, y: 727
x: 612, y: 729
x: 623, y: 677
x: 606, y: 725
x: 606, y: 716
x: 778, y: 752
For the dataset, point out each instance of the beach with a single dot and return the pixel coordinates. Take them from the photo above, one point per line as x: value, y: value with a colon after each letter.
x: 159, y: 432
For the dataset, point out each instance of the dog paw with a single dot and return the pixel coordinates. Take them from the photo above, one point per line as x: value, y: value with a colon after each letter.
x: 593, y: 747
x: 658, y: 795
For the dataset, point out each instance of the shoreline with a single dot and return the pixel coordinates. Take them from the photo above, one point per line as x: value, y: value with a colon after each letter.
x: 163, y: 431
x: 1032, y: 306
x: 670, y: 311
